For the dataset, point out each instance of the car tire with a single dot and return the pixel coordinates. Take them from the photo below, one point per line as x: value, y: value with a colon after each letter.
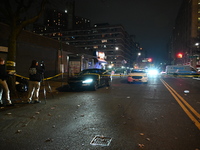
x: 94, y: 86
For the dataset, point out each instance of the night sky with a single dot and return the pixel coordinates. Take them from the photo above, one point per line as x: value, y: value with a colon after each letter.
x: 151, y: 21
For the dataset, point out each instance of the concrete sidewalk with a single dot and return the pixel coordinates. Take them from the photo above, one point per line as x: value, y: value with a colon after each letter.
x: 51, y: 87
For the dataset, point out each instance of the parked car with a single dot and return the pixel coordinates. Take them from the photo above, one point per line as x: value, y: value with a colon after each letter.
x: 137, y: 75
x: 91, y: 79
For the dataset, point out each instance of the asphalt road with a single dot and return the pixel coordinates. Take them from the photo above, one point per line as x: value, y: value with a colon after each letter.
x: 123, y: 117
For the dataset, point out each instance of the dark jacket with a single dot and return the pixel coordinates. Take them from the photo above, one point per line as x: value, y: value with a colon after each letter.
x: 3, y: 74
x: 36, y: 73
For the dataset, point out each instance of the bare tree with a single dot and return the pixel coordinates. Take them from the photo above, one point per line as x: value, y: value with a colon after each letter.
x: 14, y: 12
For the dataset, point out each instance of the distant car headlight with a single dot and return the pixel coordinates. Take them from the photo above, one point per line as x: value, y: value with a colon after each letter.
x: 87, y: 81
x: 153, y: 72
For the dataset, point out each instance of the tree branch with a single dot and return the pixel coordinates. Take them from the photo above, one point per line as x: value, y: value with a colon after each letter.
x: 33, y: 19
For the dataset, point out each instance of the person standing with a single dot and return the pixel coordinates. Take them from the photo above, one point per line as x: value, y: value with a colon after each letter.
x: 35, y: 78
x: 4, y: 86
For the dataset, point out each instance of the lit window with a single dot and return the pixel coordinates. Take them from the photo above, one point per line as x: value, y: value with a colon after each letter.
x: 104, y: 41
x: 95, y: 47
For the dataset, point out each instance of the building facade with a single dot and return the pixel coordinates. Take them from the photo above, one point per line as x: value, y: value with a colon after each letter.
x: 57, y: 56
x: 111, y: 44
x: 185, y: 39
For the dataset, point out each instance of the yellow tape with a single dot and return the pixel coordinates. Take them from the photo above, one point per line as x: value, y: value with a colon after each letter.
x: 43, y: 79
x: 53, y: 76
x: 11, y: 70
x: 21, y: 76
x: 10, y: 63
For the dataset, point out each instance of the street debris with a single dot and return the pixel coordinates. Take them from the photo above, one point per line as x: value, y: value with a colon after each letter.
x: 9, y: 113
x: 128, y: 97
x: 82, y: 115
x: 24, y: 125
x: 49, y: 140
x: 148, y: 139
x: 186, y: 91
x: 141, y: 145
x: 33, y: 117
x: 142, y: 134
x: 18, y: 131
x: 37, y: 112
x: 54, y: 126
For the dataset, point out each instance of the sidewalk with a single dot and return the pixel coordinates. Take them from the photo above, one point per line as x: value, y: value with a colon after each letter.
x: 53, y: 86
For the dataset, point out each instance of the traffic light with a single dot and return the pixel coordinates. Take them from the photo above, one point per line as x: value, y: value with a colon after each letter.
x: 149, y: 59
x: 179, y: 55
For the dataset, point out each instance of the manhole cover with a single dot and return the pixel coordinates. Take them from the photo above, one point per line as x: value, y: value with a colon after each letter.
x: 101, y: 140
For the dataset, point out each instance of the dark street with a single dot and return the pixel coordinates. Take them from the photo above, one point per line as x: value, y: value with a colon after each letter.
x: 123, y: 117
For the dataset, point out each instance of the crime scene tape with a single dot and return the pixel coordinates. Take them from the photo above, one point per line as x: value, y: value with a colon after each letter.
x: 43, y: 79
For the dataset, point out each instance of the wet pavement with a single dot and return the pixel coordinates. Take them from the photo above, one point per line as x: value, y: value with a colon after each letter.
x: 122, y: 117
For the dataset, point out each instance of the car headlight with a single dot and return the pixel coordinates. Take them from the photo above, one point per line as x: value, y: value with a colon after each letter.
x: 87, y: 81
x: 153, y: 72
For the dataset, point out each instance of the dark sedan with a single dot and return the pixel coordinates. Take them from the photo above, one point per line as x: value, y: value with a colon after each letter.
x: 91, y: 79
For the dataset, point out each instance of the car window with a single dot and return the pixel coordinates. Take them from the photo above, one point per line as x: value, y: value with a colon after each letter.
x: 90, y: 71
x: 138, y: 71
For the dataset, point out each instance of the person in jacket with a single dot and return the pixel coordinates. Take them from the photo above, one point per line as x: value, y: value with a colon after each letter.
x: 4, y: 86
x: 35, y: 78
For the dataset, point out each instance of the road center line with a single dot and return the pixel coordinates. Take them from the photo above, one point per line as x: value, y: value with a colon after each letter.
x: 187, y: 109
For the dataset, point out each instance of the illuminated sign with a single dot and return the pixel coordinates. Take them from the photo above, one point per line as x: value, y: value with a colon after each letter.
x: 101, y: 56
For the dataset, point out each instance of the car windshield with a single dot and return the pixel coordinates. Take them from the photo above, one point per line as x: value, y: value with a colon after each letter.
x: 90, y: 71
x: 138, y: 71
